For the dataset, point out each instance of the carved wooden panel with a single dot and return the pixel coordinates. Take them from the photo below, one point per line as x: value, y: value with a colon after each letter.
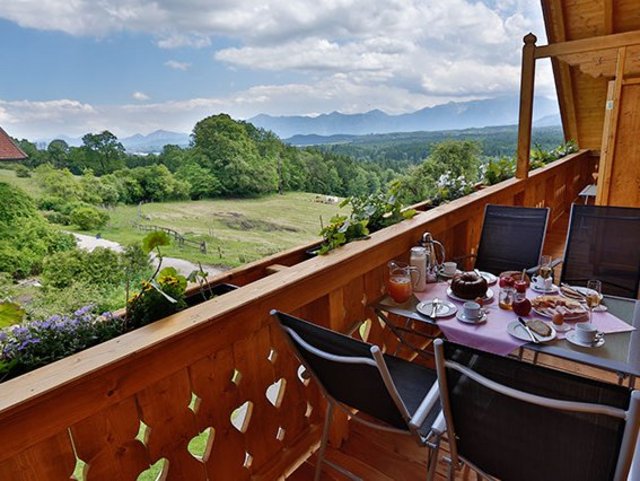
x: 52, y: 458
x: 107, y: 443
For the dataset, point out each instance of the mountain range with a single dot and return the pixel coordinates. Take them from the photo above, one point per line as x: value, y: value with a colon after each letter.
x: 449, y: 116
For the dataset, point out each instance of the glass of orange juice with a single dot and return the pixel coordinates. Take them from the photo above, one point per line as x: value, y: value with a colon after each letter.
x: 400, y: 284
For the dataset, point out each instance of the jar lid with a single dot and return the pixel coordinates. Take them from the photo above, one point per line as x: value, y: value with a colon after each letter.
x: 418, y: 250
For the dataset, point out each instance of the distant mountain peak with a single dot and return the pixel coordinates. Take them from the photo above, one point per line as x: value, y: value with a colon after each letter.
x: 501, y: 110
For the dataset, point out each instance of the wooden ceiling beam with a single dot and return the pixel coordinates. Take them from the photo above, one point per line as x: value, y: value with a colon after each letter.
x: 553, y: 9
x: 593, y: 44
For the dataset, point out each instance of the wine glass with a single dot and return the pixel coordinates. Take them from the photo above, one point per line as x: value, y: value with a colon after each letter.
x: 545, y: 270
x: 593, y: 296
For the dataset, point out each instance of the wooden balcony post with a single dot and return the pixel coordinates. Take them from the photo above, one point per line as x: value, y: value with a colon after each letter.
x: 525, y: 120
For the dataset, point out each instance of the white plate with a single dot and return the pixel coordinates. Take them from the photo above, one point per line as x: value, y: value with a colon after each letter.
x: 573, y: 317
x: 571, y: 337
x: 518, y: 331
x: 490, y: 278
x: 553, y: 289
x: 445, y: 309
x: 480, y: 320
x: 488, y: 296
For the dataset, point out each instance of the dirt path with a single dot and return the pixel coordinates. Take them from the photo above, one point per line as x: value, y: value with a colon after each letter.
x: 184, y: 267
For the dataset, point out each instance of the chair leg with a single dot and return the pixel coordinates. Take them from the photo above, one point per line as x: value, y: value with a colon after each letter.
x: 325, y: 439
x: 432, y: 461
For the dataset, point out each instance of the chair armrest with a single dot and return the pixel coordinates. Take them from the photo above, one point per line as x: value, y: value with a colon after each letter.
x: 425, y: 407
x: 534, y: 269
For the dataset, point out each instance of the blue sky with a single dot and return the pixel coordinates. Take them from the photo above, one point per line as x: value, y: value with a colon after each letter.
x: 139, y: 65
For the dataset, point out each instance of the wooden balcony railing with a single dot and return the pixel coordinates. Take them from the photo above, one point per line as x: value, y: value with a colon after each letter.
x: 141, y: 398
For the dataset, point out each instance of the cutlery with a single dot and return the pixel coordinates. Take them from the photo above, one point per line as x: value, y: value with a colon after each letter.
x: 434, y: 308
x: 572, y: 292
x: 526, y: 328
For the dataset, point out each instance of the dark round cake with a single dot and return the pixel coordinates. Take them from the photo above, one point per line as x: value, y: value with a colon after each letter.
x: 469, y: 285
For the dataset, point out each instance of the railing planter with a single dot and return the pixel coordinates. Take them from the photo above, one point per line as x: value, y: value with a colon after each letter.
x: 227, y: 352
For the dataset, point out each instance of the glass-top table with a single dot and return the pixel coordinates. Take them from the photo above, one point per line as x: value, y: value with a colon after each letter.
x: 619, y: 354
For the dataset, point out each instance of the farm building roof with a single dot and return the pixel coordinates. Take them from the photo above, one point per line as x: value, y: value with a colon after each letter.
x: 8, y: 148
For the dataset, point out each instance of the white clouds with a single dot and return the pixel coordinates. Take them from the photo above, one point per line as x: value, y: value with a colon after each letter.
x: 174, y: 64
x: 346, y: 55
x: 175, y: 40
x: 139, y: 96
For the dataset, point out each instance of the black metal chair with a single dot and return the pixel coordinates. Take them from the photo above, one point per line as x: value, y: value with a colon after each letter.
x: 603, y: 243
x: 521, y: 422
x: 393, y: 394
x: 511, y: 239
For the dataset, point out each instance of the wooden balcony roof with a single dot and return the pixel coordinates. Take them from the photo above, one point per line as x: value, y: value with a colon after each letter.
x: 581, y: 77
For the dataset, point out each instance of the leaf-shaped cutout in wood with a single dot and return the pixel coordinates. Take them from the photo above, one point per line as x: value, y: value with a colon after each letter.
x: 241, y: 416
x: 248, y: 460
x: 236, y: 377
x: 158, y: 471
x: 365, y: 329
x: 143, y: 433
x: 307, y: 413
x: 200, y: 446
x: 194, y: 405
x: 303, y: 375
x: 275, y: 392
x: 272, y: 356
x: 79, y: 470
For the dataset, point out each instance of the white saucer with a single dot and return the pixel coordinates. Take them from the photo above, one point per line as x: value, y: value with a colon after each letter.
x: 571, y: 337
x: 490, y: 278
x: 444, y: 309
x: 553, y: 289
x: 479, y: 320
x: 517, y: 330
x: 487, y: 297
x: 448, y: 276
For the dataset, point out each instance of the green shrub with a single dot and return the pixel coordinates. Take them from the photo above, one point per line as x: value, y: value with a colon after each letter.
x: 57, y: 217
x: 18, y: 262
x: 100, y: 267
x: 88, y: 218
x: 23, y: 171
x: 50, y: 300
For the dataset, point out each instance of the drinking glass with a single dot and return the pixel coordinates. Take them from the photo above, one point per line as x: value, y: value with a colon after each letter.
x: 506, y: 298
x: 545, y: 270
x: 594, y: 296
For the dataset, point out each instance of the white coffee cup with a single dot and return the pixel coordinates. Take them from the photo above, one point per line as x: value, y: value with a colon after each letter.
x: 542, y: 282
x: 449, y: 268
x: 471, y: 310
x: 586, y: 333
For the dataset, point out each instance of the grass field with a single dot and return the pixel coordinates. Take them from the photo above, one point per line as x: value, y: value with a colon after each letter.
x: 28, y: 184
x: 236, y: 231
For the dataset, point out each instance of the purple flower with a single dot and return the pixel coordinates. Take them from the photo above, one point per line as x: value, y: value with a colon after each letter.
x: 27, y: 342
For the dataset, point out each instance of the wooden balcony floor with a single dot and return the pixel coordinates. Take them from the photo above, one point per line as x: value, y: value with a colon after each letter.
x: 377, y: 456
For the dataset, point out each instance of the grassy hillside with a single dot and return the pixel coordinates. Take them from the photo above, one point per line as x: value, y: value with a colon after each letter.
x: 28, y: 184
x: 236, y: 230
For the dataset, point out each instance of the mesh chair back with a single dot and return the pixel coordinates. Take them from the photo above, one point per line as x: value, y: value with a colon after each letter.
x: 604, y: 244
x: 516, y: 440
x: 511, y: 238
x: 357, y: 385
